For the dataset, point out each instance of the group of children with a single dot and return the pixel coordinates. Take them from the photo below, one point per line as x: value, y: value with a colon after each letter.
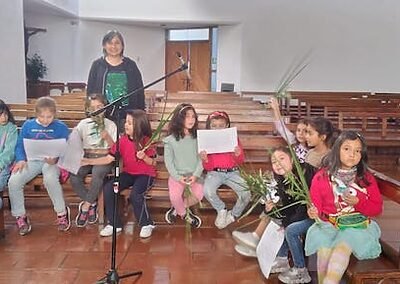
x: 336, y: 173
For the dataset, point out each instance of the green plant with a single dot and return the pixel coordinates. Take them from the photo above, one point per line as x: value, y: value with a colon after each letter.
x: 35, y: 68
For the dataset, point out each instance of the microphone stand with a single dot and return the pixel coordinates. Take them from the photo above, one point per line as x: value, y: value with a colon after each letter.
x: 112, y: 276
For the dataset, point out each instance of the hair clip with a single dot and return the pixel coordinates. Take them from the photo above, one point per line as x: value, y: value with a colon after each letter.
x: 218, y: 113
x: 185, y: 107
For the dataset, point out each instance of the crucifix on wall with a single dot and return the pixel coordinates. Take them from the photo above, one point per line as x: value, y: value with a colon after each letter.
x: 28, y: 32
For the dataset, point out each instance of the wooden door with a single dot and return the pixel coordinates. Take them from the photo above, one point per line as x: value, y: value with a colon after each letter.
x: 199, y: 55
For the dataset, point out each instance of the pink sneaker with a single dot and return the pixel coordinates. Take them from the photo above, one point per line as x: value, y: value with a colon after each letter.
x: 24, y: 225
x: 64, y: 221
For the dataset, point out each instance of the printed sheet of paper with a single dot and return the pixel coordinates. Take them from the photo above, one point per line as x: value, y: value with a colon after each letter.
x: 217, y: 141
x: 268, y: 247
x: 71, y: 160
x: 41, y: 149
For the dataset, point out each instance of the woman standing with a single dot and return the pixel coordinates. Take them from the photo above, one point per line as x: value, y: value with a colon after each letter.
x: 115, y: 75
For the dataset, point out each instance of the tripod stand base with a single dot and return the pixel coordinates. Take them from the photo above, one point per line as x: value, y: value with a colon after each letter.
x: 112, y: 277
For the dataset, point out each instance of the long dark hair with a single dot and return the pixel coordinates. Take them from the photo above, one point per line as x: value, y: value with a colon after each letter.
x: 177, y: 123
x: 141, y: 127
x: 5, y: 109
x: 324, y: 127
x: 332, y: 160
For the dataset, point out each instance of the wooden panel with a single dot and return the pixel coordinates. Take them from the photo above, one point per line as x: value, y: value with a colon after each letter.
x: 177, y: 82
x: 200, y: 66
x: 198, y: 56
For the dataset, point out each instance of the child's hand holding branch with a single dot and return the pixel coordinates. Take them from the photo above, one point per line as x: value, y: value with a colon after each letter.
x: 312, y: 212
x: 269, y: 205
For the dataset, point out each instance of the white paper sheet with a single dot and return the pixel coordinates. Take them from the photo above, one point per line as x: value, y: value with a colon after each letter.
x: 41, y: 149
x: 71, y: 160
x: 268, y: 247
x: 217, y: 141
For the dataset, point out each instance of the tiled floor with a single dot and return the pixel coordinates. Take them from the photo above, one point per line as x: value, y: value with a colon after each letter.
x: 171, y: 255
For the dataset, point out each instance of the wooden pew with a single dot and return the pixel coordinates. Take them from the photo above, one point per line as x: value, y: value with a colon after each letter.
x: 387, y: 266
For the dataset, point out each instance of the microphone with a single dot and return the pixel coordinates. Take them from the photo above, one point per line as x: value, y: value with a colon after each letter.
x: 184, y: 65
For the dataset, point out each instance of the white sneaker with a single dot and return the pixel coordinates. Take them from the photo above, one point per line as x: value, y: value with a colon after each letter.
x: 107, y: 231
x: 229, y: 218
x: 280, y: 264
x: 249, y: 239
x: 295, y: 275
x: 220, y: 220
x: 245, y: 251
x: 145, y: 231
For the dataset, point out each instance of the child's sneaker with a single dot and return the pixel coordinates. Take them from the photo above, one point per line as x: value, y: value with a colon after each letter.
x: 229, y: 218
x: 107, y: 231
x: 64, y: 221
x: 193, y: 219
x: 82, y: 217
x: 146, y: 231
x: 245, y: 251
x: 249, y: 239
x: 93, y: 215
x: 295, y: 275
x: 170, y: 216
x: 280, y: 264
x: 220, y: 220
x: 24, y: 225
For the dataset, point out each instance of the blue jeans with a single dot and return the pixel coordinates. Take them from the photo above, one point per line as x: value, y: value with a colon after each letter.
x: 51, y: 180
x: 4, y: 175
x: 293, y: 242
x: 140, y: 183
x: 215, y: 179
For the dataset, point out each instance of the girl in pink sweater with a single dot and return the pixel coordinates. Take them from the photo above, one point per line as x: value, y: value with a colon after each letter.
x: 342, y: 187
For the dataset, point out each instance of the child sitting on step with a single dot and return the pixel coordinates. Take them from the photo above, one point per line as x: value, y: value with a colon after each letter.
x: 184, y: 165
x: 223, y: 168
x: 45, y: 128
x: 98, y: 135
x: 138, y: 173
x: 345, y: 190
x: 8, y: 140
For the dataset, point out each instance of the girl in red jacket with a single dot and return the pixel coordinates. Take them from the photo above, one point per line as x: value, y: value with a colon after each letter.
x: 345, y: 195
x: 223, y: 168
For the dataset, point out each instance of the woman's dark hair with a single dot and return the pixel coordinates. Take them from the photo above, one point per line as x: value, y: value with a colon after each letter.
x: 5, y: 109
x: 324, y: 127
x: 177, y: 123
x: 108, y: 37
x: 218, y: 115
x: 332, y: 160
x: 141, y: 126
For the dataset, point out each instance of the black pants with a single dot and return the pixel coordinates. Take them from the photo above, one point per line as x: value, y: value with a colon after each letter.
x: 140, y: 183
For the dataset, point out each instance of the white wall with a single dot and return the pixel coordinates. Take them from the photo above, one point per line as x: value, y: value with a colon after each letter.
x: 229, y: 56
x: 70, y: 6
x: 355, y: 43
x: 12, y: 67
x: 69, y: 46
x: 355, y: 46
